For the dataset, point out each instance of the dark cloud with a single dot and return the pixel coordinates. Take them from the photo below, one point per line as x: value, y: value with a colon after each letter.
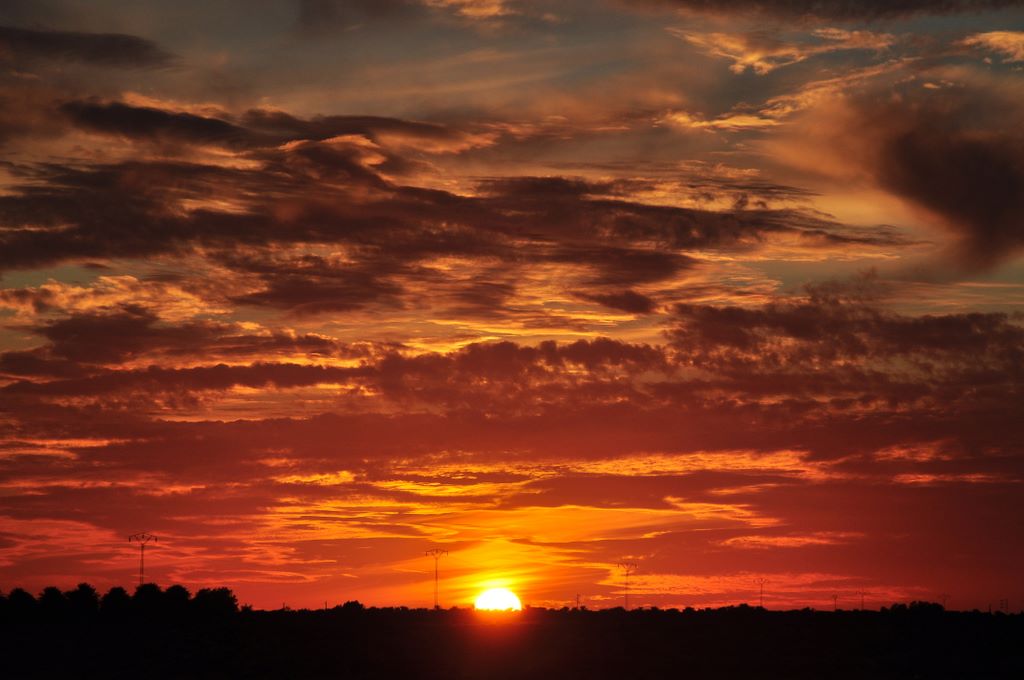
x: 838, y: 9
x: 312, y: 285
x: 257, y: 128
x: 333, y: 191
x: 854, y: 356
x: 149, y: 123
x: 287, y: 126
x: 387, y: 328
x: 318, y: 16
x: 973, y: 181
x: 155, y: 381
x: 82, y: 345
x: 807, y: 369
x: 101, y: 49
x: 951, y: 151
x: 626, y: 301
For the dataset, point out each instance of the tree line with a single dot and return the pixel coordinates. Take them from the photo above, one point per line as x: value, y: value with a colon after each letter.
x: 148, y: 601
x: 172, y: 633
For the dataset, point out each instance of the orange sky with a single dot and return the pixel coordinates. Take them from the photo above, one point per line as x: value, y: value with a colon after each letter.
x: 309, y: 288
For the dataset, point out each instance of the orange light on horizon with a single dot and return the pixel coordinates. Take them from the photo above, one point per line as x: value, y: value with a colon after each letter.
x: 498, y: 599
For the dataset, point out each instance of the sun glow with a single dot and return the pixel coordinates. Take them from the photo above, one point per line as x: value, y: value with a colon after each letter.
x: 498, y: 599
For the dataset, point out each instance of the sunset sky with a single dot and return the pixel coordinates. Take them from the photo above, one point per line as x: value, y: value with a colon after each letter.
x: 733, y: 291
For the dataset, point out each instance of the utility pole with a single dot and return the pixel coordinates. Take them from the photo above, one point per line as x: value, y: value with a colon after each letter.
x: 835, y: 603
x: 760, y: 582
x: 627, y: 569
x: 437, y: 554
x: 142, y: 539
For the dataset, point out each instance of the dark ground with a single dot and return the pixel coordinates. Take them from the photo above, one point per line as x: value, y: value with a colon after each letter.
x: 169, y: 634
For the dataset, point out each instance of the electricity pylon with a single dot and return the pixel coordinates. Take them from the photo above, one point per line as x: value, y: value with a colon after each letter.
x: 142, y: 539
x: 437, y: 554
x: 760, y: 582
x: 627, y: 569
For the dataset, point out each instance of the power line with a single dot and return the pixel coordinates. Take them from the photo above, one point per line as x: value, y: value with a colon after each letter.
x: 437, y: 554
x: 760, y: 582
x: 627, y: 569
x: 142, y: 539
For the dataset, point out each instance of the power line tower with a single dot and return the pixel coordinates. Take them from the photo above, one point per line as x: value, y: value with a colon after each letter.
x: 835, y: 603
x: 437, y: 554
x: 760, y: 582
x: 862, y: 594
x: 142, y: 539
x: 627, y: 569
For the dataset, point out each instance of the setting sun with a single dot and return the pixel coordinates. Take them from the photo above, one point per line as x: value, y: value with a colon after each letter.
x: 498, y: 599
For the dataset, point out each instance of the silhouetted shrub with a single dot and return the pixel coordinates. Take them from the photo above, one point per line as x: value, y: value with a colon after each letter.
x: 21, y: 604
x: 352, y: 641
x: 353, y: 606
x: 176, y: 602
x: 116, y: 604
x: 148, y: 601
x: 83, y: 601
x: 52, y: 604
x: 215, y: 603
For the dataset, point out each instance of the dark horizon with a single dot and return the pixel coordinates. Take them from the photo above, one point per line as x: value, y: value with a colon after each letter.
x: 1003, y: 606
x: 170, y: 635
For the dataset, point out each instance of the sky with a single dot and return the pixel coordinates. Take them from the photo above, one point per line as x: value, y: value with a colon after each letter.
x: 731, y: 291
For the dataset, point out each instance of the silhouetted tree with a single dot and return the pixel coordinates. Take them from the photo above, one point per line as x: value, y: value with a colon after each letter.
x: 83, y: 601
x: 353, y: 641
x: 177, y: 601
x: 215, y: 603
x: 52, y: 603
x: 148, y: 601
x: 22, y: 604
x: 926, y: 608
x: 116, y: 604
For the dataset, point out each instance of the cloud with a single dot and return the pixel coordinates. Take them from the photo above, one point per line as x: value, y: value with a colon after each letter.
x: 626, y: 301
x: 763, y: 52
x: 474, y: 9
x: 1010, y: 44
x: 319, y: 15
x: 731, y: 122
x: 168, y: 297
x: 101, y: 49
x: 313, y: 285
x: 852, y: 354
x: 950, y: 152
x: 552, y: 328
x: 748, y: 424
x: 839, y: 10
x: 326, y: 181
x: 150, y: 123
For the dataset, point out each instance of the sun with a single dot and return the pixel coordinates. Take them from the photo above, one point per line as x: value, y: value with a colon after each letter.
x: 498, y: 599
